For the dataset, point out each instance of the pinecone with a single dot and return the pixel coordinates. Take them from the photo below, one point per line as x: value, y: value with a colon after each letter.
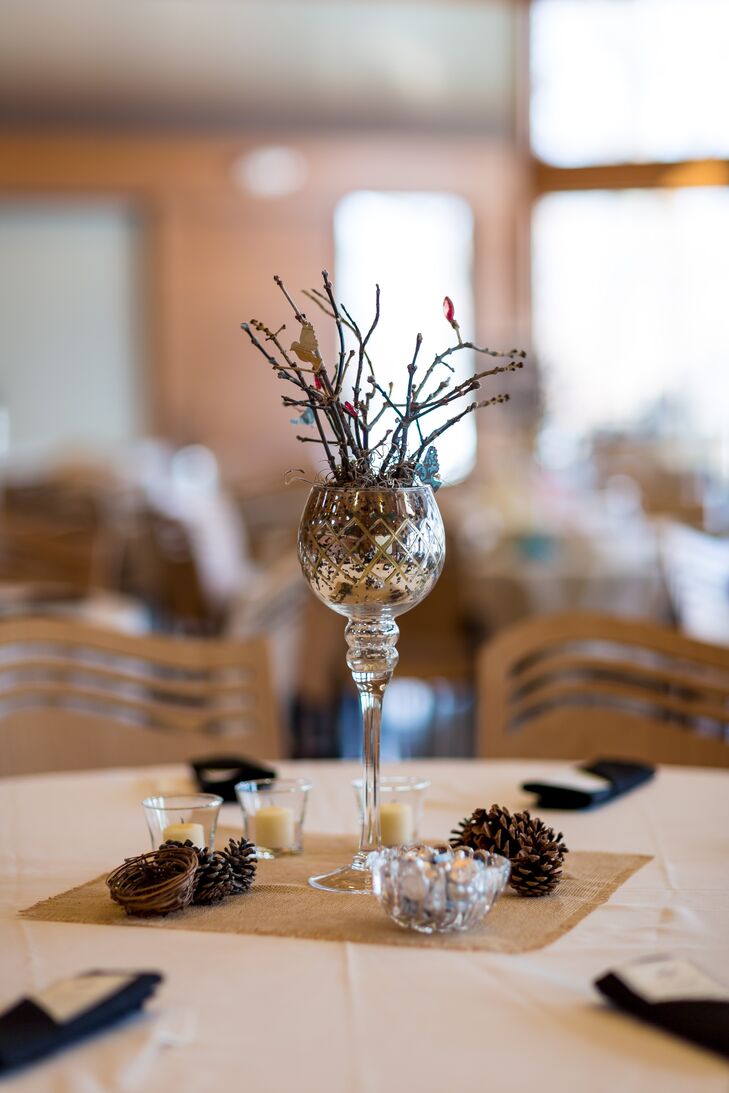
x: 537, y: 868
x: 241, y: 858
x: 222, y: 873
x: 535, y: 852
x: 214, y: 877
x: 491, y: 830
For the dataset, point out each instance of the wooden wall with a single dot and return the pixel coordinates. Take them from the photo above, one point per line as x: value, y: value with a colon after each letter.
x: 211, y: 249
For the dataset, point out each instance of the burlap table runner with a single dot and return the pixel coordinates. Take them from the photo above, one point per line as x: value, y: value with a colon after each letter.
x: 282, y: 904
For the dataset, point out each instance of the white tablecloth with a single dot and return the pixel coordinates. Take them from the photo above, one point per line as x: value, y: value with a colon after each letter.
x: 282, y: 1014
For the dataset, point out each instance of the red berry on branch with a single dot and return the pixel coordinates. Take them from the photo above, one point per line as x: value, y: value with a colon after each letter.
x: 317, y: 383
x: 448, y: 309
x: 350, y: 409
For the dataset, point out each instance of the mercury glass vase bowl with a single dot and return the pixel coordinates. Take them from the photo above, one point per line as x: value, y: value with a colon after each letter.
x: 370, y: 555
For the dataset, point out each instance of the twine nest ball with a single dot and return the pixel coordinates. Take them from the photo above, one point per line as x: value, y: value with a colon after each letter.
x: 156, y: 883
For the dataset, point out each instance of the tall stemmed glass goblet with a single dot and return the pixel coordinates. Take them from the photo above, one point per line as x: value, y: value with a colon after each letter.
x: 370, y: 555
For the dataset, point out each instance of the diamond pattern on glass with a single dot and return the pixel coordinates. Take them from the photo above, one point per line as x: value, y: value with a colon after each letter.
x: 369, y: 547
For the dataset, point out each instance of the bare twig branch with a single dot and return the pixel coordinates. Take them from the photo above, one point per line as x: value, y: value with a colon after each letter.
x: 297, y: 378
x: 311, y: 439
x: 339, y: 377
x: 363, y: 344
x: 466, y: 387
x: 441, y: 358
x: 452, y: 421
x: 319, y: 298
x: 299, y: 314
x: 408, y: 416
x: 358, y: 460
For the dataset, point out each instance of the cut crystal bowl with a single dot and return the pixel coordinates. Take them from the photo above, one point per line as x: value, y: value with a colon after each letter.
x: 436, y: 889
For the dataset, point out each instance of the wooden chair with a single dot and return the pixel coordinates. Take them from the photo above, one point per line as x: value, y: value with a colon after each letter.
x: 51, y: 533
x: 578, y: 686
x: 75, y: 697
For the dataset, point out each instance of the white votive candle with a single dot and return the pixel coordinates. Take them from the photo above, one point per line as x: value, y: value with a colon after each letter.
x: 181, y: 832
x: 274, y: 828
x: 396, y: 824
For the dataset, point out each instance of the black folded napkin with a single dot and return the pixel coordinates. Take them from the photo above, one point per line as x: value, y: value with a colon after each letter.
x: 606, y: 779
x: 37, y: 1026
x: 220, y: 774
x: 678, y: 1008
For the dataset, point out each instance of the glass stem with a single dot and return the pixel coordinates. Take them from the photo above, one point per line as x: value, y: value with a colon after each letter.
x: 371, y: 658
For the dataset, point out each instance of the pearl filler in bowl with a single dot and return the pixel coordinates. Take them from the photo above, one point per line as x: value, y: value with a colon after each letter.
x: 436, y: 889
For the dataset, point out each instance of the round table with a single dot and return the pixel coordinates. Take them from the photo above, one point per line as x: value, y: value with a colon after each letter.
x: 276, y: 1014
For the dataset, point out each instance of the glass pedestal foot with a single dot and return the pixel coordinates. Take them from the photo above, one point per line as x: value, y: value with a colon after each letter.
x: 348, y: 879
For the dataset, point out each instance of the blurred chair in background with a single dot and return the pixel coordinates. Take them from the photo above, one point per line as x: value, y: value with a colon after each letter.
x: 696, y: 568
x: 428, y: 706
x: 577, y: 686
x: 159, y: 567
x: 74, y: 697
x: 184, y: 547
x: 532, y: 572
x: 664, y: 489
x: 51, y: 531
x: 155, y: 526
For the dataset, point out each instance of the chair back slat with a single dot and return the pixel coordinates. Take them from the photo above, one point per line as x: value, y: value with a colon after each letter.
x: 648, y: 675
x: 573, y: 686
x: 181, y: 696
x: 617, y: 694
x: 19, y: 671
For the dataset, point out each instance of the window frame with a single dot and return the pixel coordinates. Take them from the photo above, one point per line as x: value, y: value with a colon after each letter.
x: 548, y: 178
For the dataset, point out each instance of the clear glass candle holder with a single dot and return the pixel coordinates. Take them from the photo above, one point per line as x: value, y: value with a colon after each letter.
x: 183, y: 816
x: 402, y: 798
x: 434, y: 889
x: 273, y: 814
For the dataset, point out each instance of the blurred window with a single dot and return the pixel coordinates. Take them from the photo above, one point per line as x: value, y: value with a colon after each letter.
x: 621, y: 81
x: 630, y: 231
x: 69, y: 326
x: 419, y: 248
x: 630, y: 313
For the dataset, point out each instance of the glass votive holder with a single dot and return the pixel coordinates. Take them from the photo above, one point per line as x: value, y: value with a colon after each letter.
x: 182, y: 816
x: 273, y: 814
x: 401, y: 807
x: 437, y: 889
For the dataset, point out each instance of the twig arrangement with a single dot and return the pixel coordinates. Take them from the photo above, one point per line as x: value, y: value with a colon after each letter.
x: 345, y: 402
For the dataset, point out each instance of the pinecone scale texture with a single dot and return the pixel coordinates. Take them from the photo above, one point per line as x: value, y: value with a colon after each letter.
x: 222, y: 873
x: 536, y: 851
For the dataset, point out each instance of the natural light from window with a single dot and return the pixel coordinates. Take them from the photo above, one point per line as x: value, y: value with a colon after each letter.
x: 419, y: 248
x: 618, y: 81
x: 630, y: 314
